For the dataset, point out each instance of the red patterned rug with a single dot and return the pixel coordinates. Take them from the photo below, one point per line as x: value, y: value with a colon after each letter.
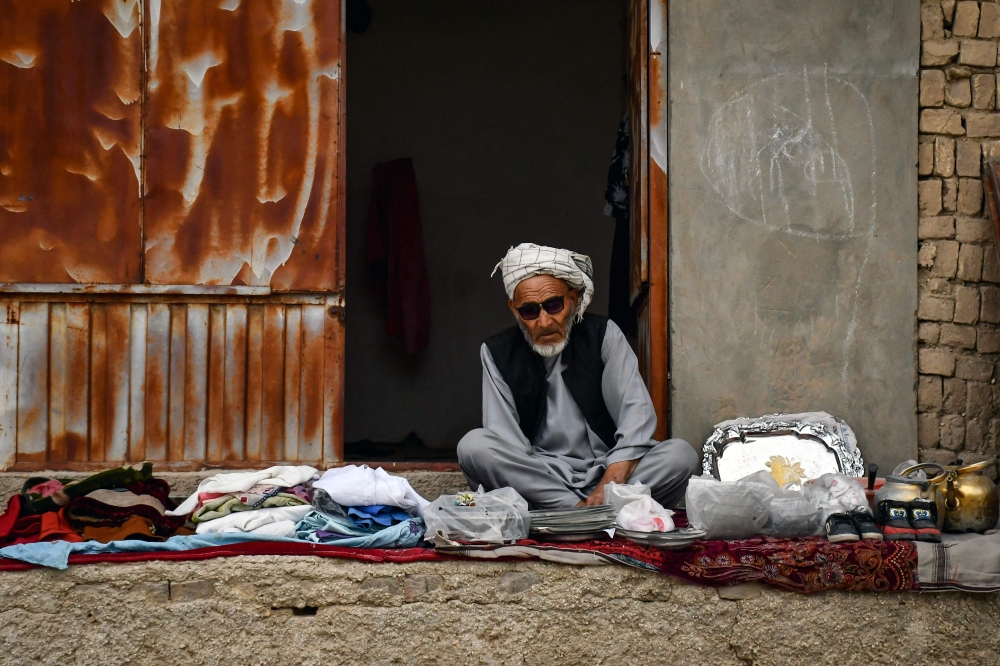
x: 802, y: 565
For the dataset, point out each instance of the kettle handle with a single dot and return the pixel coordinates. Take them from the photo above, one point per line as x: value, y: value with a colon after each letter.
x: 979, y: 466
x: 951, y: 502
x: 942, y: 470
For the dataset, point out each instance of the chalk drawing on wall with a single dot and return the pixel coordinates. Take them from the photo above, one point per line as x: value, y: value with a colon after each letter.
x: 795, y: 154
x: 785, y: 153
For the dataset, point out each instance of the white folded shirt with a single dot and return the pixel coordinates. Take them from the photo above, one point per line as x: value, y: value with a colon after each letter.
x: 285, y: 476
x: 258, y: 521
x: 364, y: 486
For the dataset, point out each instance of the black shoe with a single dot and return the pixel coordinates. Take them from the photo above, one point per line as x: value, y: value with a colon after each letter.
x: 894, y: 517
x: 923, y: 520
x: 840, y: 527
x: 866, y: 526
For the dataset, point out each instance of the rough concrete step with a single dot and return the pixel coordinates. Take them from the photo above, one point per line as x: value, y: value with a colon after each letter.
x: 320, y: 612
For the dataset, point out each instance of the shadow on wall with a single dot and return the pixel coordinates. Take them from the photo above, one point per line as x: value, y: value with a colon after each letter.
x: 509, y: 111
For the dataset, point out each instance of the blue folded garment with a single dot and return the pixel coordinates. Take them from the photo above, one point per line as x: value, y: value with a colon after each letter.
x: 56, y: 553
x: 406, y: 534
x: 378, y: 514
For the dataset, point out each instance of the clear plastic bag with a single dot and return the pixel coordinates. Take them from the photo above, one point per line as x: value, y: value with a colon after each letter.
x: 730, y: 509
x: 793, y: 514
x: 645, y: 515
x: 498, y: 516
x: 620, y: 494
x: 837, y: 493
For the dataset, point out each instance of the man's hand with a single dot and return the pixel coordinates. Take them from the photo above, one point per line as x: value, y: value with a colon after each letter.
x: 618, y: 472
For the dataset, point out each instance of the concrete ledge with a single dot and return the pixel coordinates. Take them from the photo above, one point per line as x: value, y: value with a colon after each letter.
x: 269, y: 610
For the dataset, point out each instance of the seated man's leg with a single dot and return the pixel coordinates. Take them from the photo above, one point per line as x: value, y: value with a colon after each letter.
x: 666, y: 469
x: 489, y: 461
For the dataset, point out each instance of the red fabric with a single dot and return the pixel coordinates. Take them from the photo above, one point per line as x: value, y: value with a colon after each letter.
x: 49, y: 526
x: 398, y: 556
x: 395, y: 253
x: 800, y: 565
x: 804, y: 565
x: 9, y: 518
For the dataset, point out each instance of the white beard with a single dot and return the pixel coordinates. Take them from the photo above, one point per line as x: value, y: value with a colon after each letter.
x: 547, y: 351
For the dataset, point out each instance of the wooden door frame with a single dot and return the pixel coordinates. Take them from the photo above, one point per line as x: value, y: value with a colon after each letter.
x: 648, y: 94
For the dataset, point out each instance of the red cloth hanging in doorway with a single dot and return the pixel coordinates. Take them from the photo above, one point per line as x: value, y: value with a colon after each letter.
x: 395, y: 253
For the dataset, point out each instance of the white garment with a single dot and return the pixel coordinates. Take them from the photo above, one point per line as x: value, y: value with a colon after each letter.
x: 285, y: 476
x: 528, y: 260
x: 259, y: 521
x: 364, y: 486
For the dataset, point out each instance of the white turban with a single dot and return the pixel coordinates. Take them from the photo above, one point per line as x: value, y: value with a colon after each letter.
x: 528, y: 260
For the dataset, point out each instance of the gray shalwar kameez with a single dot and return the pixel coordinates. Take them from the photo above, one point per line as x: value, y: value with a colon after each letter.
x: 565, y: 460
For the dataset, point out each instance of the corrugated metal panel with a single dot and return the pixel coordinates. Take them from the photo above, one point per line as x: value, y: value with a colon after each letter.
x: 243, y: 174
x: 70, y: 82
x: 229, y: 382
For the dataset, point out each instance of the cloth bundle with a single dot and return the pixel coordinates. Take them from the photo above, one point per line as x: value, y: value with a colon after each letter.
x: 120, y: 503
x: 268, y: 502
x: 361, y: 507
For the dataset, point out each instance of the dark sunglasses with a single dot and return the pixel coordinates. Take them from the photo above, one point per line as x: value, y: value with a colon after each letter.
x: 553, y: 305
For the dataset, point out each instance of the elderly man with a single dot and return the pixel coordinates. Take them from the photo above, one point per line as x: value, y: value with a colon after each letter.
x: 564, y: 409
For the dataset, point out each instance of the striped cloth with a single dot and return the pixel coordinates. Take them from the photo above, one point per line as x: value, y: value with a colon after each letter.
x: 528, y: 260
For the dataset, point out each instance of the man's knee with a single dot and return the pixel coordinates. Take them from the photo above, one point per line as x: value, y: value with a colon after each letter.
x: 475, y: 447
x: 686, y: 462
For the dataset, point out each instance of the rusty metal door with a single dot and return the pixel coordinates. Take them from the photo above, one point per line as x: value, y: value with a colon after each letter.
x: 70, y: 139
x: 171, y: 233
x: 648, y: 119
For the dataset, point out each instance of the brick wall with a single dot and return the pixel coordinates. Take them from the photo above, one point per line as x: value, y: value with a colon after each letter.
x: 958, y: 271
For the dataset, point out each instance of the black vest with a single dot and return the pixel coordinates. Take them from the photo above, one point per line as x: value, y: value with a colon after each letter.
x: 524, y: 372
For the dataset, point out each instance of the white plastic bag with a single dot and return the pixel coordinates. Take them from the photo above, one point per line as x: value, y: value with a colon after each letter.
x: 730, y: 509
x: 837, y: 493
x: 620, y: 494
x: 498, y: 516
x: 645, y: 515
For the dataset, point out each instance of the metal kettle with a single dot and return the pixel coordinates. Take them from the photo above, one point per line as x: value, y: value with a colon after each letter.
x: 902, y: 488
x: 971, y: 501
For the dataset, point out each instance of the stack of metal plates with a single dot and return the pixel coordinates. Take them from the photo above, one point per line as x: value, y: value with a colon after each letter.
x: 575, y: 524
x: 668, y: 540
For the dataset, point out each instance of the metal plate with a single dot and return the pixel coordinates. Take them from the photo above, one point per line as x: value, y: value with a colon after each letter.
x: 735, y: 451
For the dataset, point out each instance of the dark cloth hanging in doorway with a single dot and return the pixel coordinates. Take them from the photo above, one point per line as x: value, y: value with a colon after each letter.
x: 620, y: 308
x: 395, y: 254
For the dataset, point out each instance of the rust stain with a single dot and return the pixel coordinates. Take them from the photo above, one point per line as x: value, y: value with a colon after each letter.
x: 242, y: 178
x: 69, y: 141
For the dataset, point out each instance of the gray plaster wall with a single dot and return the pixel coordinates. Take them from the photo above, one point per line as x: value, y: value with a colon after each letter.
x: 509, y: 110
x: 323, y: 612
x: 793, y: 214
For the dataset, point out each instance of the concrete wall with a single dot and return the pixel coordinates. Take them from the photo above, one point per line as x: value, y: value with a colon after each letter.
x: 322, y: 612
x: 959, y: 277
x: 509, y: 110
x: 793, y: 214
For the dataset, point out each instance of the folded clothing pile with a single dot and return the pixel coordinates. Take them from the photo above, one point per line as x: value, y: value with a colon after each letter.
x: 113, y: 505
x: 267, y: 502
x: 361, y: 507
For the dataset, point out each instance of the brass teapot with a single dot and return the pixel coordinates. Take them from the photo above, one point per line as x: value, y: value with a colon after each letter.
x: 970, y: 499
